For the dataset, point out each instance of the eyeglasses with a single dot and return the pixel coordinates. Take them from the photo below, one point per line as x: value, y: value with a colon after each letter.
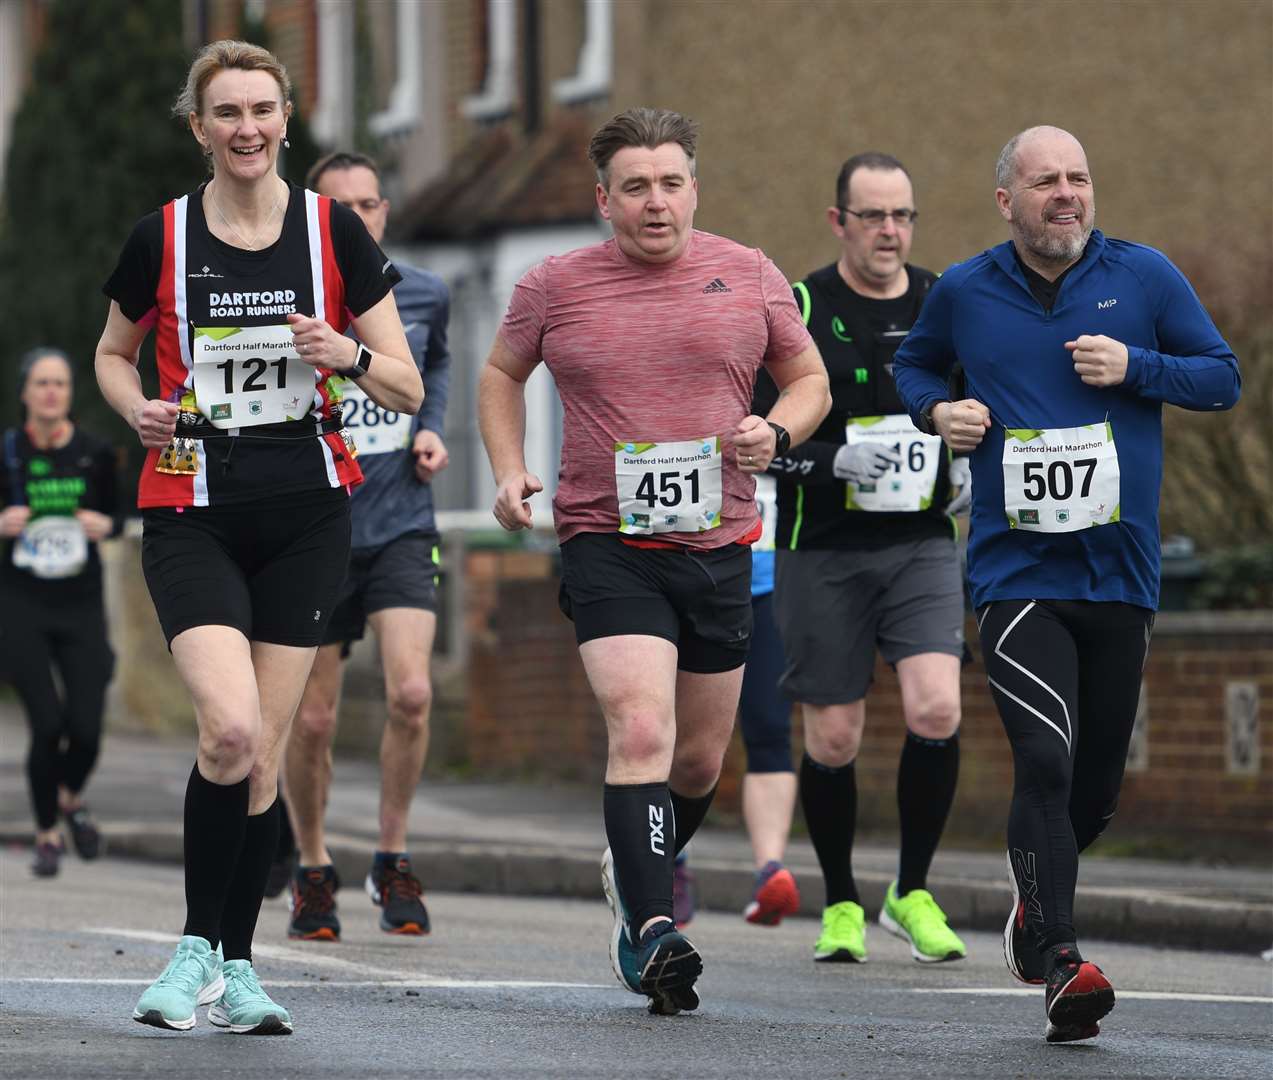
x: 874, y: 219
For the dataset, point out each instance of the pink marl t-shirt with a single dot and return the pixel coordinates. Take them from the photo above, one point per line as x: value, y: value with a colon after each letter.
x: 653, y: 353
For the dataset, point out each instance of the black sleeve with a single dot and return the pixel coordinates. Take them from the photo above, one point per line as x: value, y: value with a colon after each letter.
x: 7, y: 471
x: 136, y: 277
x: 369, y: 274
x: 105, y: 484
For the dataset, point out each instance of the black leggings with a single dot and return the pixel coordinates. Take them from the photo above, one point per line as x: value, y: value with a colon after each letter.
x: 1066, y: 677
x: 66, y: 727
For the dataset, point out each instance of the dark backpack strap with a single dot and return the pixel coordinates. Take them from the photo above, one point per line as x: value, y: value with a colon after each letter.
x: 17, y: 491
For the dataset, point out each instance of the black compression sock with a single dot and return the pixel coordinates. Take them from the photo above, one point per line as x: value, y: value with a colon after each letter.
x: 688, y: 812
x: 926, y: 779
x: 829, y: 797
x: 247, y: 890
x: 639, y: 827
x: 215, y: 817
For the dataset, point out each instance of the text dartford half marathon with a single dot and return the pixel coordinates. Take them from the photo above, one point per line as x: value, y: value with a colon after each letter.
x: 672, y: 459
x: 1072, y: 448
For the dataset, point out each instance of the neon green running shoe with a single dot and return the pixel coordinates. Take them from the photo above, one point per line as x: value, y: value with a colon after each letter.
x: 916, y: 918
x: 192, y: 978
x: 245, y: 1008
x: 843, y: 939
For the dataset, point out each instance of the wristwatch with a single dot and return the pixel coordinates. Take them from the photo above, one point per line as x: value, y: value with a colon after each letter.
x: 783, y: 443
x: 361, y: 363
x: 926, y: 424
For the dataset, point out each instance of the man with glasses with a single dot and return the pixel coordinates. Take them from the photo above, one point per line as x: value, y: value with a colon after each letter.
x: 866, y: 560
x: 391, y: 584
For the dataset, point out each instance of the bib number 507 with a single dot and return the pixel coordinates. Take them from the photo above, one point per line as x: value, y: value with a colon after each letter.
x: 1057, y: 482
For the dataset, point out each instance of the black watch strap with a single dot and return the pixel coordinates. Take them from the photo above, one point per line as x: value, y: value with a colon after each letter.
x: 362, y: 361
x: 783, y: 443
x: 926, y: 424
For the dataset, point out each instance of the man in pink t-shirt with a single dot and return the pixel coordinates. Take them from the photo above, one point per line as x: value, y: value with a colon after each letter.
x: 654, y: 339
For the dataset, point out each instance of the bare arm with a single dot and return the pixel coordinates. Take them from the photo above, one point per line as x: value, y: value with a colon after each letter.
x: 804, y: 398
x: 116, y: 367
x: 392, y: 381
x: 501, y: 412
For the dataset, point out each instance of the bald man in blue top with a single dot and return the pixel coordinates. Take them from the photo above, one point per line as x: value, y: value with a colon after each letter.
x: 1071, y: 342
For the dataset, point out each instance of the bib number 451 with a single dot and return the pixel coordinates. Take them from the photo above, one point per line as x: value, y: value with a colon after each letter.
x: 670, y: 490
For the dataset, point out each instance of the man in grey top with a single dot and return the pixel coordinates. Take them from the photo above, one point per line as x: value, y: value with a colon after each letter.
x: 391, y: 584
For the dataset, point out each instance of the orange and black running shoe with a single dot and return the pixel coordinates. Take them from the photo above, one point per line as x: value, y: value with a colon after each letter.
x: 1077, y: 996
x: 313, y: 902
x: 397, y: 892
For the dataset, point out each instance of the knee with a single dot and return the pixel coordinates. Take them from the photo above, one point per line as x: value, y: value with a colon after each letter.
x: 230, y: 746
x: 696, y: 773
x: 641, y: 738
x: 409, y: 703
x: 1088, y: 827
x: 833, y: 740
x: 315, y: 723
x: 936, y: 717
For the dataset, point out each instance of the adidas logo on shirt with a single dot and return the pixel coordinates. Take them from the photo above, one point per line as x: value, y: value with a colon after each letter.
x: 716, y: 286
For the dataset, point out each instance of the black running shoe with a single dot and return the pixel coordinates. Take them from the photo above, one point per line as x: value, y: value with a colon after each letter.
x: 313, y: 902
x: 1020, y: 952
x: 669, y: 966
x: 45, y: 863
x: 1077, y: 996
x: 397, y: 891
x: 84, y: 834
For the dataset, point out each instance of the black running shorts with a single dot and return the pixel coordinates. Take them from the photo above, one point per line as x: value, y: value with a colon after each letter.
x: 272, y: 571
x: 400, y: 574
x: 698, y: 600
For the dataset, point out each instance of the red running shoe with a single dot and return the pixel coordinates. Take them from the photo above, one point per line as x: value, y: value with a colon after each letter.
x: 774, y: 896
x: 1078, y: 995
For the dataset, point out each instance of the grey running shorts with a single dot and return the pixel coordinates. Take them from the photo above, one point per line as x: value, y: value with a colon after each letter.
x: 835, y: 608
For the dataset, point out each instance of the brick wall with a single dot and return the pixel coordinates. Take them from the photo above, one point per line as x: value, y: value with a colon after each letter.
x: 529, y: 710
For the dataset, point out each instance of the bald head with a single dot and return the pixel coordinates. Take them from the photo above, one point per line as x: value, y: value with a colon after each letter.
x: 1006, y: 167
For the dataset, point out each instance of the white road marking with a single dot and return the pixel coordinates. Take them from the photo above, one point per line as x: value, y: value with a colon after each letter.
x: 1123, y: 995
x: 313, y: 959
x: 428, y: 983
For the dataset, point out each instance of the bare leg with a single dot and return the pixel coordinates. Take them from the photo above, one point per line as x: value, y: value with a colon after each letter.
x: 308, y: 762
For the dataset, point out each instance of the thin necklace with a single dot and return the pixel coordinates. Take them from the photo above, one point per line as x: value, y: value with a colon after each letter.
x: 249, y: 244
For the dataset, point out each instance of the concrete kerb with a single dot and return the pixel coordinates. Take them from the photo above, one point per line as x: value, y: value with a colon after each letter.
x: 1116, y: 914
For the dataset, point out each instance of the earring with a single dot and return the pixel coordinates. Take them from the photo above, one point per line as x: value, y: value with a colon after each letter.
x: 286, y: 145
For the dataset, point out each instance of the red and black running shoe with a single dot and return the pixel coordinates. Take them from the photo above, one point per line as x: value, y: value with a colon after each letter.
x: 313, y: 903
x: 775, y: 896
x: 1020, y: 952
x: 397, y: 892
x: 1078, y: 995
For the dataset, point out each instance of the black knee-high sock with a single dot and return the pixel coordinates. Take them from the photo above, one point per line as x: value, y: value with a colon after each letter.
x: 639, y: 828
x: 926, y: 779
x: 830, y: 798
x: 689, y: 811
x: 215, y: 817
x: 247, y: 890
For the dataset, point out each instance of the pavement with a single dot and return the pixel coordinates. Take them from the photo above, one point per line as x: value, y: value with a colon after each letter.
x: 520, y: 838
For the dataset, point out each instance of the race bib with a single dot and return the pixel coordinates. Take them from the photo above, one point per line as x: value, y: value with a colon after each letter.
x: 244, y: 376
x: 1060, y: 480
x: 668, y: 487
x: 908, y: 486
x: 375, y: 430
x: 767, y: 508
x: 51, y: 547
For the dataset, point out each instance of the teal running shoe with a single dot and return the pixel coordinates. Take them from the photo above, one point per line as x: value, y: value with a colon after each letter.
x: 192, y: 978
x: 623, y: 954
x: 669, y: 965
x: 244, y: 1008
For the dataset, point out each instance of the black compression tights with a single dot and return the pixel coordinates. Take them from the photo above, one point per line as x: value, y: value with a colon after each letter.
x: 1066, y: 678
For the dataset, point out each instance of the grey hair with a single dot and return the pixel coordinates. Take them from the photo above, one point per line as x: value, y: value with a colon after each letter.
x: 1006, y: 166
